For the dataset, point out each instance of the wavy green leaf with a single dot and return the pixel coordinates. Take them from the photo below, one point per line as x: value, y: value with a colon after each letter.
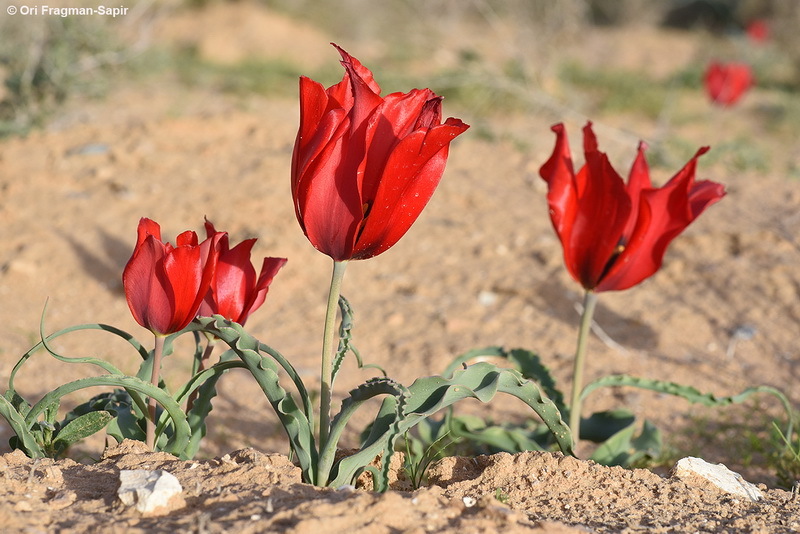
x: 616, y: 449
x: 345, y: 342
x: 25, y: 438
x: 206, y: 384
x: 93, y: 361
x: 525, y: 361
x: 352, y: 465
x: 176, y: 443
x: 264, y: 370
x: 19, y: 404
x: 625, y: 450
x: 345, y: 337
x: 44, y: 343
x: 209, y: 326
x: 127, y: 423
x: 308, y: 409
x: 508, y: 438
x: 79, y: 428
x: 118, y: 403
x: 600, y: 426
x: 428, y: 395
x: 689, y: 393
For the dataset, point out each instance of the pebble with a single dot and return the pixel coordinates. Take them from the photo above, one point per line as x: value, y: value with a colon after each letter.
x: 148, y: 490
x: 718, y: 475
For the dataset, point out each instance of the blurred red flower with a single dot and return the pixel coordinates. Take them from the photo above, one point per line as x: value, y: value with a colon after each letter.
x: 165, y: 284
x: 614, y: 235
x: 235, y: 291
x: 364, y: 166
x: 726, y: 82
x: 758, y: 31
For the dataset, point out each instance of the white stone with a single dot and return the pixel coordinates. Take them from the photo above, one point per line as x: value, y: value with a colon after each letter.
x: 487, y: 298
x: 147, y: 490
x: 718, y: 475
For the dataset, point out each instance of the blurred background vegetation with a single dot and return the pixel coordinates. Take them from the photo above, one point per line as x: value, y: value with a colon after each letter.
x: 494, y: 58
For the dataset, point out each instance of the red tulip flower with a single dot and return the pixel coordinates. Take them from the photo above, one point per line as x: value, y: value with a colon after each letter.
x: 235, y: 290
x: 758, y: 31
x: 165, y: 284
x: 614, y: 234
x: 726, y: 82
x: 364, y: 166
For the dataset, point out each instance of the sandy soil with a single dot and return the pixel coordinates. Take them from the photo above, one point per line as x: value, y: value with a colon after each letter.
x: 249, y: 491
x: 481, y: 267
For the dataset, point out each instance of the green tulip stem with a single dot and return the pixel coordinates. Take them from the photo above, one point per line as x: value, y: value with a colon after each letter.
x: 328, y: 347
x: 589, y: 304
x: 150, y: 436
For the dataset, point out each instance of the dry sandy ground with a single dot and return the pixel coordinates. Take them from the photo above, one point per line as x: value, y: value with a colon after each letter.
x: 481, y: 267
x: 248, y: 491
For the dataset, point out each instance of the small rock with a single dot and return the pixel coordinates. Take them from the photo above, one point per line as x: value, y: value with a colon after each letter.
x: 149, y: 491
x: 718, y: 475
x: 487, y: 298
x: 88, y: 149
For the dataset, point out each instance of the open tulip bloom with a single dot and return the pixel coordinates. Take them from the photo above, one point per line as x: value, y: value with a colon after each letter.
x: 235, y: 291
x: 363, y: 168
x: 614, y: 234
x: 164, y: 286
x: 726, y: 83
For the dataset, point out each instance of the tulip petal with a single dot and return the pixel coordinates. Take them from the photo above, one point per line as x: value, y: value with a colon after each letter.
x: 354, y: 66
x: 638, y: 180
x: 562, y: 197
x: 269, y: 268
x: 147, y: 227
x: 144, y: 290
x: 725, y: 83
x: 602, y: 213
x: 328, y: 210
x: 234, y: 278
x: 392, y: 121
x: 662, y: 215
x: 186, y: 239
x: 366, y: 93
x: 318, y: 126
x: 183, y: 271
x: 313, y: 104
x: 409, y: 179
x: 703, y: 194
x: 329, y: 204
x: 589, y: 210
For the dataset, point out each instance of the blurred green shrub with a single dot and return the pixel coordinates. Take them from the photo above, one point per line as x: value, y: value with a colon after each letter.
x: 614, y: 90
x: 44, y: 60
